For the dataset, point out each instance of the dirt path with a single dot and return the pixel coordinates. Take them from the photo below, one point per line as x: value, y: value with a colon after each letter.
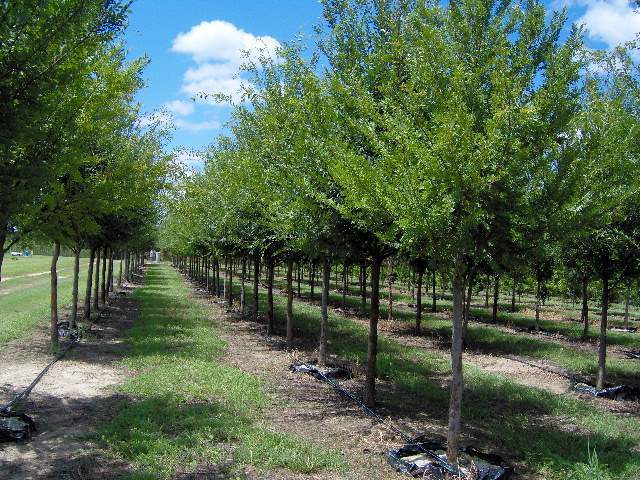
x: 70, y: 402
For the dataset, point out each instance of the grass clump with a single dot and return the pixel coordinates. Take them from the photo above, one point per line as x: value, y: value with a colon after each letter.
x: 190, y: 409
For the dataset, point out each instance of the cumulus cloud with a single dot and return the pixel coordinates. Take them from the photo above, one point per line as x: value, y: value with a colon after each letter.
x: 180, y: 107
x: 609, y: 21
x: 218, y: 48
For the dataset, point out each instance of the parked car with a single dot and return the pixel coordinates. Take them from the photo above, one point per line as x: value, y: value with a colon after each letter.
x: 16, y: 254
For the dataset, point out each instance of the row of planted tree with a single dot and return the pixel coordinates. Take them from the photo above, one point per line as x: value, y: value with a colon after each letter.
x: 77, y: 167
x: 474, y: 137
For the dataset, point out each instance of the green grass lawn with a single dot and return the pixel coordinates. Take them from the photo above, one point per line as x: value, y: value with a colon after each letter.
x: 554, y: 435
x: 189, y: 410
x: 24, y: 300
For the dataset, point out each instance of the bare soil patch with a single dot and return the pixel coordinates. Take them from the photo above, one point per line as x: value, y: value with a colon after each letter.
x: 70, y: 402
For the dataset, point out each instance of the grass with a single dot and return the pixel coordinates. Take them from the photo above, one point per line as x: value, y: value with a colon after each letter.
x: 24, y: 301
x: 487, y: 339
x: 190, y: 410
x: 554, y: 435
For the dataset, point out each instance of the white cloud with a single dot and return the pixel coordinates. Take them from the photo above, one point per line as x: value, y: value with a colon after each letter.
x: 610, y: 21
x: 196, y: 127
x: 221, y: 41
x: 218, y: 48
x: 180, y: 107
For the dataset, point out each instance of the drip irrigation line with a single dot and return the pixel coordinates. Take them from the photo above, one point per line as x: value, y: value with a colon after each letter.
x: 7, y: 408
x: 541, y: 367
x: 440, y: 461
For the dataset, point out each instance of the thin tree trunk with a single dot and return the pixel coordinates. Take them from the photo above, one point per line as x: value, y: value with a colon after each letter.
x: 372, y: 344
x: 54, y: 295
x: 345, y: 285
x: 390, y: 277
x: 363, y: 287
x: 457, y: 382
x: 230, y: 275
x: 120, y: 272
x: 602, y: 347
x: 289, y: 303
x: 103, y: 286
x: 513, y: 297
x: 3, y: 238
x: 585, y: 307
x: 299, y: 269
x: 256, y: 282
x: 243, y: 297
x: 324, y: 318
x: 626, y: 307
x: 270, y: 314
x: 433, y: 292
x: 96, y: 282
x: 496, y: 293
x: 420, y: 274
x: 486, y: 292
x: 87, y: 292
x: 74, y: 291
x: 537, y: 324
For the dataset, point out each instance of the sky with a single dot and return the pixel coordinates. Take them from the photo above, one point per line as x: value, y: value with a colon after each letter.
x: 195, y: 46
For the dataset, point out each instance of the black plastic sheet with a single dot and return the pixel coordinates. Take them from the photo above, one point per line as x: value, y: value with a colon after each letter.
x: 474, y: 464
x: 65, y: 331
x: 619, y: 392
x: 16, y: 427
x: 625, y: 330
x: 329, y: 371
x: 634, y: 355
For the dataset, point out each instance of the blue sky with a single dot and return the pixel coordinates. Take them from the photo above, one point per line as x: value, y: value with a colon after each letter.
x: 194, y: 46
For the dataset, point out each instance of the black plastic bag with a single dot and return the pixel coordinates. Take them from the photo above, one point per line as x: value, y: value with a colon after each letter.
x: 16, y: 427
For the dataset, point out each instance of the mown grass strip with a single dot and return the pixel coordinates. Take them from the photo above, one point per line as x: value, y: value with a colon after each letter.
x: 191, y: 411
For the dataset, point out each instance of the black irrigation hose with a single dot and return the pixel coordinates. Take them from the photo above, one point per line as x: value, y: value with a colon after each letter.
x: 25, y: 393
x: 441, y: 462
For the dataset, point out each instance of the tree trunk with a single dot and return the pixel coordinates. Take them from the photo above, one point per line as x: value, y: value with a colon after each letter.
x: 363, y: 287
x: 96, y: 282
x: 54, y: 296
x: 372, y: 347
x: 256, y: 282
x: 455, y: 399
x: 513, y: 297
x: 496, y: 293
x: 299, y: 269
x: 626, y: 307
x: 486, y: 292
x: 289, y: 303
x: 584, y: 316
x: 74, y: 291
x: 3, y: 237
x: 324, y: 318
x: 602, y: 348
x: 270, y: 317
x: 103, y: 286
x: 225, y: 280
x: 87, y: 292
x: 345, y: 285
x: 230, y: 275
x: 433, y: 292
x: 243, y: 297
x: 537, y: 321
x: 390, y: 277
x: 419, y: 300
